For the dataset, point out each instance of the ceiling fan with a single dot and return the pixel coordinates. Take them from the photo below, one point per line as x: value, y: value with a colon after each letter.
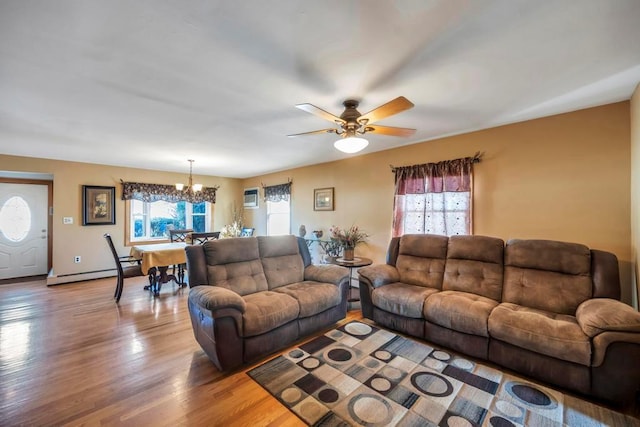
x: 352, y: 123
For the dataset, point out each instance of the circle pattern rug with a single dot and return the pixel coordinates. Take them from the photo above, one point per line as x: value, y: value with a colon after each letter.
x: 359, y: 374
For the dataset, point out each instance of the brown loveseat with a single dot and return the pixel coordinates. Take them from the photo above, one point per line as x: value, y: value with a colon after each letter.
x: 252, y: 296
x: 546, y: 309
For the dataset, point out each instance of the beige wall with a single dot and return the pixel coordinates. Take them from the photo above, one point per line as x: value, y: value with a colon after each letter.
x: 564, y: 177
x: 635, y: 188
x: 87, y: 241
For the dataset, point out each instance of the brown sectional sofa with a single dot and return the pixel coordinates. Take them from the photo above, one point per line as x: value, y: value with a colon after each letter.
x: 547, y: 309
x: 252, y: 296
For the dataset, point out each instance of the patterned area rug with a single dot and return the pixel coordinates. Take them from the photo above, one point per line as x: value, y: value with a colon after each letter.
x: 358, y: 374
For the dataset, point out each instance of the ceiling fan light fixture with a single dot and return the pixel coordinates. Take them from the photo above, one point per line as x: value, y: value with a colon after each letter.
x: 351, y: 144
x: 352, y: 124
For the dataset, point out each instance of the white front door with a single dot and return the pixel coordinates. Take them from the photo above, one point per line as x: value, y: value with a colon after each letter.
x: 23, y: 230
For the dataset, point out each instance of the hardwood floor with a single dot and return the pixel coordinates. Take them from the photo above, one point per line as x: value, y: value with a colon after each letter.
x: 70, y: 356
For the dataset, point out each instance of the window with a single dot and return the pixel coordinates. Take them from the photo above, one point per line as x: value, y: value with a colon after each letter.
x: 434, y: 198
x: 153, y: 220
x: 15, y: 219
x: 446, y: 213
x: 278, y: 218
x: 278, y: 199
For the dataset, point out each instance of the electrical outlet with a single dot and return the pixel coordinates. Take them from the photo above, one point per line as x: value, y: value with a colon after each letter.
x: 67, y: 220
x: 77, y: 259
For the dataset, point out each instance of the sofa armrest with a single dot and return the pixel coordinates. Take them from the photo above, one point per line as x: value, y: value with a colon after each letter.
x: 214, y: 298
x: 599, y: 315
x: 605, y: 274
x: 196, y: 265
x: 326, y: 273
x: 216, y: 316
x: 379, y: 274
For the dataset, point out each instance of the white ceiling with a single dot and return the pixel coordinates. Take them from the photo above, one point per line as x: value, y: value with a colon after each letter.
x: 152, y: 83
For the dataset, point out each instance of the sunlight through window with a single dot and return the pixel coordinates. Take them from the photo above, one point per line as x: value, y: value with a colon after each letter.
x: 14, y: 342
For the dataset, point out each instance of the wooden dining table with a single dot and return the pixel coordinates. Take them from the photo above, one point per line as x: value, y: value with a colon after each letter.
x: 156, y: 259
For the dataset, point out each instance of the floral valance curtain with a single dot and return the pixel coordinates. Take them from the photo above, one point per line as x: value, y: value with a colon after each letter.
x: 434, y: 198
x: 168, y: 193
x: 277, y: 193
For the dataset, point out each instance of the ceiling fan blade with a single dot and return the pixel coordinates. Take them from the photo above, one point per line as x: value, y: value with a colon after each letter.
x: 389, y: 109
x: 310, y: 108
x: 314, y: 132
x: 389, y: 130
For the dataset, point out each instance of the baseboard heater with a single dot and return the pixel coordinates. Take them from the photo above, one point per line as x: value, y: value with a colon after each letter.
x: 53, y: 279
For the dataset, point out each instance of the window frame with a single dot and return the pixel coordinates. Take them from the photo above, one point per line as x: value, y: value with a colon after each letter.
x: 269, y: 214
x: 129, y: 241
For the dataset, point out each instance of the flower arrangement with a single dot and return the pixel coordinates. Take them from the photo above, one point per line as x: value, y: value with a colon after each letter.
x: 235, y: 228
x: 348, y: 238
x: 231, y: 230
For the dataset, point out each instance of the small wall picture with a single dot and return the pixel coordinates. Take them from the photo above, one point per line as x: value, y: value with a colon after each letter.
x: 251, y: 198
x: 98, y: 205
x: 323, y: 199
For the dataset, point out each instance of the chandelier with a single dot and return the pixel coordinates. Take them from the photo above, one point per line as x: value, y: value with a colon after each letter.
x: 191, y: 186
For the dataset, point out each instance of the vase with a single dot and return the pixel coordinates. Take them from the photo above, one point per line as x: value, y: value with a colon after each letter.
x: 302, y: 231
x: 348, y: 254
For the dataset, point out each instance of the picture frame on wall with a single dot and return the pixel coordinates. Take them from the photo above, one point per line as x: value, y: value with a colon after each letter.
x: 98, y: 205
x: 323, y: 199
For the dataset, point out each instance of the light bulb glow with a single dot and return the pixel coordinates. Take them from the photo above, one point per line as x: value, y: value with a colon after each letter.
x: 351, y: 145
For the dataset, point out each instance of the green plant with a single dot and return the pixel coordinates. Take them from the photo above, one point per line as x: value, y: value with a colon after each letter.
x: 348, y: 238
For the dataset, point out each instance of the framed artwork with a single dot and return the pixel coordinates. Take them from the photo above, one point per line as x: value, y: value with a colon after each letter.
x: 98, y: 205
x: 323, y: 199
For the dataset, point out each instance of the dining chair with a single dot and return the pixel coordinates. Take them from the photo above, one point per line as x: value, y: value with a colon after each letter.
x: 180, y: 235
x: 184, y: 235
x: 127, y: 266
x: 200, y: 238
x: 247, y: 232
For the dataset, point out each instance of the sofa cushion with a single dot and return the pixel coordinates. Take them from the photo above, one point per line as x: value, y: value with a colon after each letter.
x: 421, y: 259
x: 313, y: 297
x: 475, y: 264
x: 266, y: 311
x: 281, y: 260
x: 241, y: 277
x: 556, y: 335
x: 460, y: 311
x: 476, y: 248
x: 234, y: 264
x: 225, y: 251
x: 401, y: 299
x: 547, y: 275
x: 561, y: 257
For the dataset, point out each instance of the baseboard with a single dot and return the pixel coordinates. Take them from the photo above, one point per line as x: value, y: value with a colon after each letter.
x: 53, y: 279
